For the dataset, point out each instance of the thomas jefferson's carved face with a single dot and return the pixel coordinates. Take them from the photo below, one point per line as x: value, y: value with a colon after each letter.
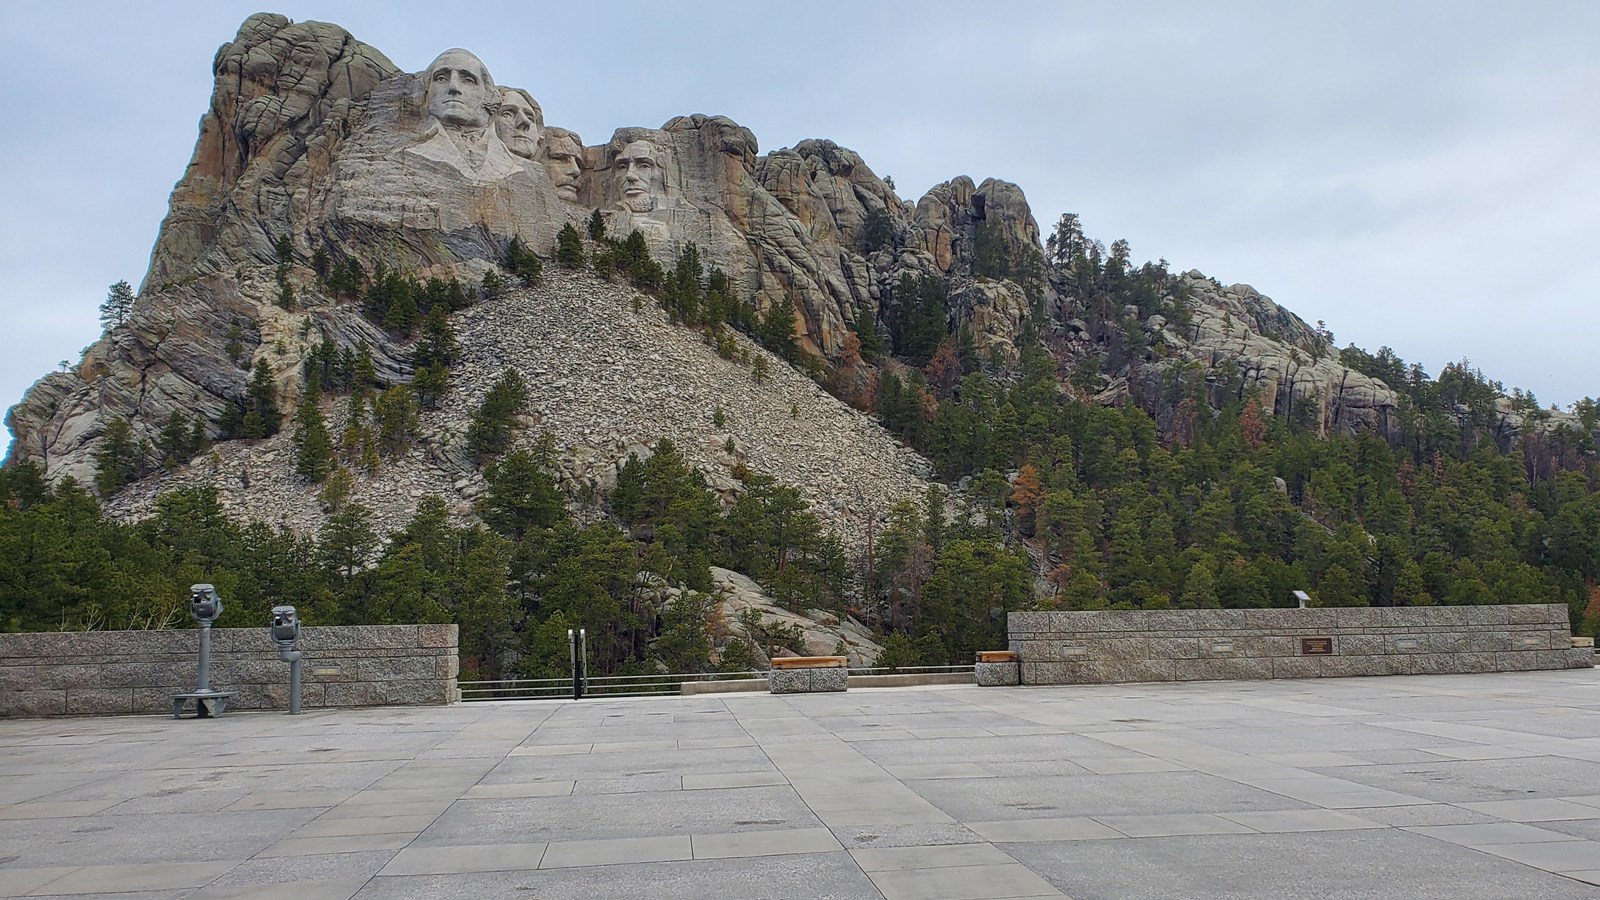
x: 563, y: 160
x: 460, y: 90
x: 518, y: 122
x: 639, y: 168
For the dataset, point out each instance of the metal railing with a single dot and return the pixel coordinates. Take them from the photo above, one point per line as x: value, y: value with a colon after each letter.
x: 670, y: 684
x: 913, y: 670
x: 665, y: 685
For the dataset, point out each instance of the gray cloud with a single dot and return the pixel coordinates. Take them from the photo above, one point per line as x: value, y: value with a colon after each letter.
x: 1419, y: 175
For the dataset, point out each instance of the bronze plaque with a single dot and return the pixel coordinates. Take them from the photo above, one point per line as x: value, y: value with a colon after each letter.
x: 1316, y: 646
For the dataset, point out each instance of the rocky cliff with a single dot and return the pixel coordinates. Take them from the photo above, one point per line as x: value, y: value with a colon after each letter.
x: 316, y: 147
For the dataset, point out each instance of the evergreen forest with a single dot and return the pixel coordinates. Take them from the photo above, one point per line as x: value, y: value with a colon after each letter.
x: 1048, y: 499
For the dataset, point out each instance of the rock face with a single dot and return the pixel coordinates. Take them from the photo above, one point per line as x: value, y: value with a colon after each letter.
x: 317, y: 148
x: 282, y: 91
x: 1275, y: 351
x: 821, y: 633
x: 606, y: 377
x: 316, y: 144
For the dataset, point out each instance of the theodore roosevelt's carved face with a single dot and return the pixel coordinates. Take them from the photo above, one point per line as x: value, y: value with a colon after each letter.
x: 562, y: 154
x: 638, y: 167
x: 460, y: 90
x: 518, y: 120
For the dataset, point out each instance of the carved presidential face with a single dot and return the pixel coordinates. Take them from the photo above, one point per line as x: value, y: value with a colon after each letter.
x: 460, y: 90
x: 562, y: 155
x: 518, y: 122
x: 638, y: 167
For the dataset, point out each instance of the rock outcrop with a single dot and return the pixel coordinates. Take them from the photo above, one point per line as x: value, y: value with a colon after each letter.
x: 608, y: 375
x: 317, y: 150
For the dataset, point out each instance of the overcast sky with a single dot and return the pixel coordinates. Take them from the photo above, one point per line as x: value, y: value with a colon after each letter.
x: 1422, y: 175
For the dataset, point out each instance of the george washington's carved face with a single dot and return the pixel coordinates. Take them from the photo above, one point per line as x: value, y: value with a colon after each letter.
x: 460, y: 90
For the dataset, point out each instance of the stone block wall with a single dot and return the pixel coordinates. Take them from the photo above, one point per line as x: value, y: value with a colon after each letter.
x: 1215, y: 644
x: 134, y: 672
x: 808, y: 681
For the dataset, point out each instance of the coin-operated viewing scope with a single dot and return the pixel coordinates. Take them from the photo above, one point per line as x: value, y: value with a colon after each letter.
x: 285, y: 626
x: 205, y: 604
x: 285, y: 632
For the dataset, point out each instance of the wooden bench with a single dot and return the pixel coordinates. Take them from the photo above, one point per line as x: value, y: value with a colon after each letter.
x: 1587, y: 642
x: 808, y: 674
x: 997, y: 668
x: 810, y: 662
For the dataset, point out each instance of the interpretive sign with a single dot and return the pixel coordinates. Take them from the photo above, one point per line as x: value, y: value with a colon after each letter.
x: 1316, y: 646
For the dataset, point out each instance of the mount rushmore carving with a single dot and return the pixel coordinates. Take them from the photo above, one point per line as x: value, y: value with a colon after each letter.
x: 317, y: 144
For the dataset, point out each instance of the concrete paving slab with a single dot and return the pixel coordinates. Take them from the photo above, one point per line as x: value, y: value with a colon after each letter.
x: 16, y: 882
x: 1011, y: 880
x: 1175, y: 824
x: 1066, y: 829
x: 892, y: 858
x: 567, y: 854
x: 824, y: 876
x: 867, y: 837
x: 928, y: 771
x: 470, y: 858
x: 317, y: 867
x: 1129, y: 765
x: 764, y: 843
x: 289, y: 800
x: 967, y: 778
x: 299, y: 890
x: 134, y: 877
x: 1421, y: 814
x: 44, y: 809
x: 1336, y: 865
x: 1536, y: 810
x: 1296, y: 820
x: 374, y: 810
x: 523, y: 789
x: 912, y: 816
x: 365, y: 825
x: 1552, y: 856
x: 1492, y: 833
x: 349, y: 843
x: 700, y: 782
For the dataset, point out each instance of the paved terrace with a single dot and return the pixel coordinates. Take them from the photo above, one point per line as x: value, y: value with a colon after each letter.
x: 1474, y: 786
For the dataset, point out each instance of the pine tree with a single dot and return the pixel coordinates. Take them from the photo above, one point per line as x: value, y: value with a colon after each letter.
x: 1200, y: 588
x: 179, y: 440
x: 522, y: 494
x: 492, y: 285
x: 313, y: 448
x: 569, y: 248
x: 117, y: 307
x: 776, y: 332
x: 438, y: 345
x: 119, y: 458
x: 261, y: 416
x: 490, y: 432
x: 597, y: 226
x: 522, y: 262
x: 682, y: 295
x: 396, y: 413
x: 401, y: 316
